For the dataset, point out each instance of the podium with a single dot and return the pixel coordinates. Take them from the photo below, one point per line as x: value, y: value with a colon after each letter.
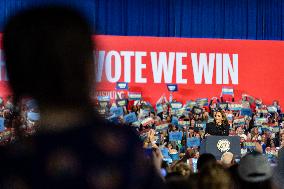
x: 217, y: 145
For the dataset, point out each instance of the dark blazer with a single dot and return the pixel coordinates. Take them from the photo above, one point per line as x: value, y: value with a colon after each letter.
x: 213, y: 129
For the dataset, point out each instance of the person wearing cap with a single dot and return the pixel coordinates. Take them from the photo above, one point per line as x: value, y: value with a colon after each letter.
x: 278, y: 174
x: 255, y: 171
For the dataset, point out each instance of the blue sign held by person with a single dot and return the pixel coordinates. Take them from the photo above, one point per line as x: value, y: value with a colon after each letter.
x: 193, y: 142
x: 175, y: 121
x: 134, y: 95
x: 103, y: 98
x: 121, y: 86
x: 246, y: 112
x: 202, y: 101
x: 175, y: 136
x: 227, y: 91
x: 200, y: 126
x: 129, y: 118
x: 2, y: 126
x: 172, y: 87
x: 176, y: 105
x: 117, y: 111
x: 159, y: 108
x: 33, y: 116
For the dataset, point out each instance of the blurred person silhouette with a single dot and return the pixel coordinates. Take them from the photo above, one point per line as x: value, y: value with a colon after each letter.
x: 214, y: 176
x: 278, y: 173
x: 205, y: 159
x: 49, y: 57
x: 255, y: 171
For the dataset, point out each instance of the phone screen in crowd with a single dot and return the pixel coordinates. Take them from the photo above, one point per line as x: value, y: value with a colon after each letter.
x: 237, y: 160
x: 163, y: 172
x: 194, y: 163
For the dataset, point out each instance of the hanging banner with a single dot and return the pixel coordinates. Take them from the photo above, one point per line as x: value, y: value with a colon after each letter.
x: 199, y: 67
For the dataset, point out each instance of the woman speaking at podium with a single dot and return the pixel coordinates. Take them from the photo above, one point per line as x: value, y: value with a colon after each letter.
x: 219, y: 127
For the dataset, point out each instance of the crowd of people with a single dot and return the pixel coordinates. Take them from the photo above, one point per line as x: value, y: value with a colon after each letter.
x: 21, y: 120
x: 71, y: 147
x: 177, y: 129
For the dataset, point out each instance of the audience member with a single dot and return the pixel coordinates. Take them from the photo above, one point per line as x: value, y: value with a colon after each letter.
x: 49, y: 57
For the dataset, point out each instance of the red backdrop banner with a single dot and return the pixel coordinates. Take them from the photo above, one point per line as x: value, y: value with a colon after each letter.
x: 200, y: 67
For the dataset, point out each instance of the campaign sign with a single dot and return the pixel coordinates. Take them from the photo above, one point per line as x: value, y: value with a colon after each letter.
x: 262, y: 111
x: 134, y: 95
x: 238, y: 121
x: 246, y: 104
x: 121, y: 102
x: 260, y: 121
x: 162, y: 127
x: 174, y: 121
x: 235, y: 106
x: 265, y: 127
x: 184, y: 123
x: 129, y: 118
x: 159, y: 108
x: 175, y: 136
x: 271, y: 109
x: 197, y: 110
x: 180, y: 112
x: 274, y: 129
x: 113, y: 119
x: 165, y: 152
x: 174, y: 156
x: 246, y: 112
x: 33, y: 116
x: 200, y: 126
x: 193, y: 142
x: 121, y: 86
x: 202, y: 101
x: 117, y: 111
x: 172, y: 87
x: 223, y: 105
x: 176, y: 105
x: 190, y: 104
x: 227, y: 91
x: 249, y: 145
x: 145, y: 112
x: 147, y: 121
x: 103, y: 98
x: 2, y: 127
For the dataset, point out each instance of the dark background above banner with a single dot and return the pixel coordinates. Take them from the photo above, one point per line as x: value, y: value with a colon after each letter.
x: 241, y: 19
